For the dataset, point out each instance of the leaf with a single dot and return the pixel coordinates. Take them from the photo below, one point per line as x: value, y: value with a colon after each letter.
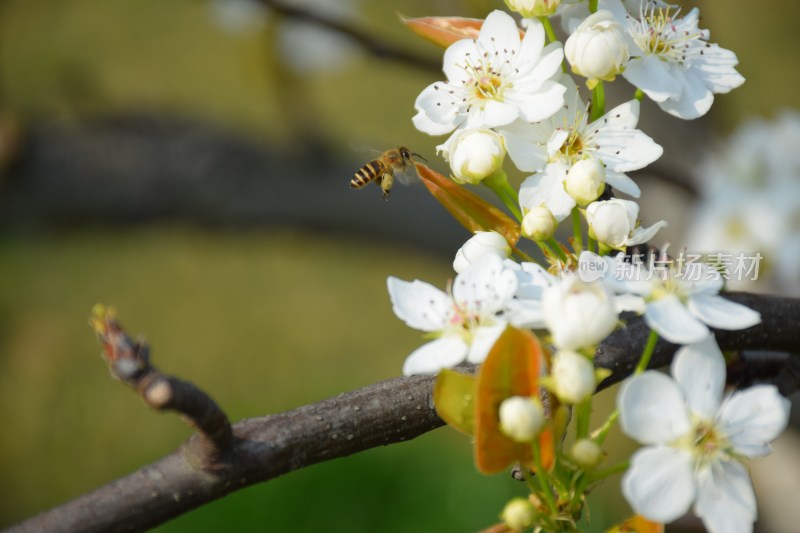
x: 510, y: 369
x: 454, y: 399
x: 637, y: 524
x: 444, y: 31
x: 472, y: 211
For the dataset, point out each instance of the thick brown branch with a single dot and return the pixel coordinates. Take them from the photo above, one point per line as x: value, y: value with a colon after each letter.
x: 387, y: 412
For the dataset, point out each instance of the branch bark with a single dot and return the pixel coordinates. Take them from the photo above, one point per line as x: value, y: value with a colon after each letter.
x: 391, y: 411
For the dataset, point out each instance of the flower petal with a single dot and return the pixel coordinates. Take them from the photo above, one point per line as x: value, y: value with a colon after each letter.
x: 484, y: 287
x: 455, y: 57
x: 700, y: 370
x: 717, y: 69
x: 753, y: 418
x: 420, y: 305
x: 659, y: 484
x: 526, y: 145
x: 652, y: 409
x: 725, y: 498
x: 499, y: 31
x: 720, y: 313
x: 642, y: 235
x: 652, y: 76
x: 673, y: 321
x: 539, y: 103
x: 435, y: 113
x: 623, y: 183
x: 444, y: 352
x: 482, y: 341
x: 695, y: 99
x: 547, y: 188
x: 492, y: 115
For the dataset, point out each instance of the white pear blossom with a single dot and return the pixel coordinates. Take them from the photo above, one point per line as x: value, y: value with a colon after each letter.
x: 574, y: 12
x: 577, y: 314
x: 465, y: 321
x: 521, y: 418
x: 480, y: 244
x: 493, y: 79
x: 696, y: 439
x: 474, y: 154
x: 678, y: 301
x: 572, y: 377
x: 539, y: 224
x: 672, y: 61
x: 614, y: 223
x: 598, y: 48
x: 524, y: 310
x: 552, y: 147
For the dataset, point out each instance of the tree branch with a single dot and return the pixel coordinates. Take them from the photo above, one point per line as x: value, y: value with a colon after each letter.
x: 391, y: 411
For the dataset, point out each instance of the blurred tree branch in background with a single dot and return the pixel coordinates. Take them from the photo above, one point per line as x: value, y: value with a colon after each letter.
x: 388, y: 412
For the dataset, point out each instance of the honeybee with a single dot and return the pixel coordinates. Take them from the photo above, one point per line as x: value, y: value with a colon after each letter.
x: 391, y: 164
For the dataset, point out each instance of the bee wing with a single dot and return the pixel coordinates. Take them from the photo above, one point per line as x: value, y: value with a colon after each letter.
x: 408, y: 175
x: 365, y: 149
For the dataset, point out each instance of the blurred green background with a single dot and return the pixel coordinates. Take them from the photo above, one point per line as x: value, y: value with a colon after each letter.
x: 262, y: 317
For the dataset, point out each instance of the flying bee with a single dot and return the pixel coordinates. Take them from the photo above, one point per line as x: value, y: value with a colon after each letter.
x: 391, y: 164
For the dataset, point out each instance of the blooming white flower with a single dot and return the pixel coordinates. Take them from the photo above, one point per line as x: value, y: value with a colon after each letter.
x: 539, y: 224
x: 480, y: 244
x: 614, y: 222
x: 573, y: 12
x: 679, y: 303
x: 521, y: 418
x: 572, y: 377
x: 533, y: 8
x: 578, y: 315
x: 672, y: 60
x: 598, y: 48
x: 695, y: 440
x: 493, y: 79
x: 551, y: 147
x: 466, y: 321
x: 473, y: 154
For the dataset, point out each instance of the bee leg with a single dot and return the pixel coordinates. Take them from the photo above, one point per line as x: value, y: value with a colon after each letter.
x: 385, y: 183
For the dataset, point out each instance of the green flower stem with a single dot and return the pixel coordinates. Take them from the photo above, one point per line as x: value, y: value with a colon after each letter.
x: 576, y: 230
x: 649, y: 348
x: 541, y: 476
x: 639, y: 94
x: 593, y: 6
x: 600, y: 434
x: 548, y: 29
x: 556, y: 249
x: 583, y: 414
x: 590, y: 243
x: 608, y: 472
x: 525, y: 257
x: 498, y: 183
x: 598, y: 101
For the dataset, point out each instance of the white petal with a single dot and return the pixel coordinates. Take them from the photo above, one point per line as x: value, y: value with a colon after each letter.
x: 444, y: 352
x: 498, y: 32
x: 546, y: 67
x: 526, y: 145
x: 623, y: 183
x: 725, y: 499
x: 720, y: 313
x: 652, y: 76
x: 642, y: 235
x: 455, y: 57
x: 537, y: 104
x: 695, y: 99
x: 420, y: 305
x: 493, y: 114
x: 525, y: 314
x: 547, y: 188
x: 717, y: 69
x: 629, y: 302
x: 700, y: 370
x: 673, y: 321
x: 652, y: 409
x: 532, y: 44
x: 625, y: 150
x: 659, y: 484
x: 753, y: 418
x: 556, y: 140
x: 435, y: 113
x: 623, y: 117
x: 485, y: 286
x: 483, y: 340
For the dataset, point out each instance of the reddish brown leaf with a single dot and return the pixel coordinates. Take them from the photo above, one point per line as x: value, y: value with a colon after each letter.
x: 444, y: 31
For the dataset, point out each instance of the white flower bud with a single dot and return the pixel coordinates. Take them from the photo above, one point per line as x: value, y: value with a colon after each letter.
x: 533, y: 8
x: 572, y: 376
x: 586, y: 180
x: 597, y: 48
x: 612, y: 221
x: 518, y: 514
x: 521, y: 418
x: 474, y: 154
x: 480, y: 244
x: 578, y: 315
x: 539, y: 224
x: 587, y: 453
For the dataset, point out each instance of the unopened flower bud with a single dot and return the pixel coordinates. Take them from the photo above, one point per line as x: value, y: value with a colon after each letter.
x: 573, y: 377
x: 521, y: 418
x: 482, y: 243
x: 578, y: 314
x: 533, y: 8
x: 611, y: 221
x: 518, y: 514
x: 539, y: 224
x: 474, y: 154
x: 587, y: 453
x: 597, y: 48
x: 586, y: 180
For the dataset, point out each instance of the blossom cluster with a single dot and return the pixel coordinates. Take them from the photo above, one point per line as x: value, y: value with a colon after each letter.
x: 508, y: 96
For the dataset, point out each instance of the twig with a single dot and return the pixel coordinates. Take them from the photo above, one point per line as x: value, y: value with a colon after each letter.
x: 388, y: 412
x: 370, y: 43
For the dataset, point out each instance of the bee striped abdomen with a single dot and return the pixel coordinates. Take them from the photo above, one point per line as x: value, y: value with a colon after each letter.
x: 367, y: 173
